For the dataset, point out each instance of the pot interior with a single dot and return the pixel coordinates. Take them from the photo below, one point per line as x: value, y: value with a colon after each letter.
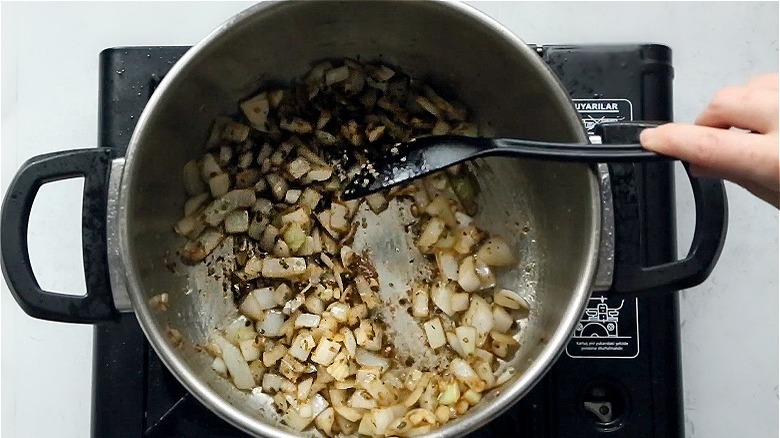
x: 508, y: 91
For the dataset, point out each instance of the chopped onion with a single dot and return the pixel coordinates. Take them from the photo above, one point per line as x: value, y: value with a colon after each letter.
x: 307, y: 320
x: 503, y: 338
x: 349, y: 341
x: 467, y: 275
x: 271, y: 324
x: 219, y: 184
x: 441, y: 295
x: 193, y: 184
x: 338, y: 217
x: 276, y: 195
x: 294, y: 236
x: 190, y: 225
x: 510, y: 300
x: 241, y: 198
x: 447, y: 264
x: 256, y: 111
x: 463, y: 371
x: 466, y: 239
x: 219, y: 366
x: 450, y: 395
x: 419, y: 302
x: 266, y: 298
x: 377, y: 202
x: 278, y: 186
x: 505, y: 376
x: 348, y: 412
x: 430, y: 234
x: 324, y: 421
x: 336, y: 75
x: 209, y: 167
x: 249, y: 350
x: 298, y: 167
x: 253, y: 267
x: 318, y: 404
x: 296, y: 420
x: 361, y: 400
x: 292, y: 196
x: 495, y: 252
x: 325, y: 352
x: 251, y: 307
x: 339, y: 311
x: 235, y: 363
x: 314, y: 305
x: 459, y: 302
x: 467, y: 336
x: 435, y: 333
x: 237, y: 222
x: 234, y: 328
x: 309, y: 198
x: 283, y: 267
x: 485, y: 373
x: 195, y: 203
x: 480, y: 317
x: 455, y: 344
x: 502, y: 321
x: 268, y: 239
x: 369, y: 359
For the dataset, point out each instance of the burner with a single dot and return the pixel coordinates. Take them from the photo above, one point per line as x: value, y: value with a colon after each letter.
x: 620, y: 374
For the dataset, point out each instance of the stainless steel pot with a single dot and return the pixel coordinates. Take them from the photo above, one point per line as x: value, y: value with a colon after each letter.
x: 131, y: 203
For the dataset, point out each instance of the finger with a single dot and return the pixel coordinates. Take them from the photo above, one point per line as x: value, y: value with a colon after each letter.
x: 750, y: 108
x: 768, y: 194
x: 765, y: 82
x: 727, y: 154
x: 764, y: 193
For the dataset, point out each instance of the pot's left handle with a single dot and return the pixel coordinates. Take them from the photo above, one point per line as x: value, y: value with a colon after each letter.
x: 97, y: 305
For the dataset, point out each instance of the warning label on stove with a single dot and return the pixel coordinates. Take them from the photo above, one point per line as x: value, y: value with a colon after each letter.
x: 597, y: 111
x: 609, y: 328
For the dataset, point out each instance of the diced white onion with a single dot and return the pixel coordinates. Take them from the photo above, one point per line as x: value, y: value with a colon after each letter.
x: 219, y: 366
x: 509, y: 299
x: 249, y: 350
x: 448, y: 264
x: 467, y: 336
x: 480, y: 317
x: 502, y: 320
x: 251, y: 308
x: 430, y: 234
x: 419, y: 302
x: 325, y: 352
x: 283, y: 267
x: 467, y: 275
x: 236, y: 365
x: 495, y: 252
x: 370, y: 359
x: 441, y: 295
x: 271, y: 324
x: 459, y: 302
x: 435, y: 333
x: 307, y: 320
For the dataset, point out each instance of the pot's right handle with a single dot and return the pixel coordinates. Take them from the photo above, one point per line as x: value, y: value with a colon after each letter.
x: 97, y: 305
x: 631, y: 277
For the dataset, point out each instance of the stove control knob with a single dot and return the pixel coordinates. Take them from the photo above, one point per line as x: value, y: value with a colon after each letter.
x: 602, y: 410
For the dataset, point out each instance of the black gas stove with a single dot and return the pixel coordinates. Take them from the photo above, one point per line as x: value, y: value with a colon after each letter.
x: 620, y: 374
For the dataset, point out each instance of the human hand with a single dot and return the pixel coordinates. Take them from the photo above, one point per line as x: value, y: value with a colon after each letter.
x: 748, y: 156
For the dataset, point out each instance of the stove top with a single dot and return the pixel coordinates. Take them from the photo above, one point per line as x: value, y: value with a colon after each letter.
x: 620, y: 374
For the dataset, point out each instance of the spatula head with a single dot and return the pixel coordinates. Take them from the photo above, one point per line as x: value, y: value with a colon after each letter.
x: 408, y: 161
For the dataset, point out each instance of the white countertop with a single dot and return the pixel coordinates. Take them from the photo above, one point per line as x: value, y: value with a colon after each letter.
x: 49, y: 103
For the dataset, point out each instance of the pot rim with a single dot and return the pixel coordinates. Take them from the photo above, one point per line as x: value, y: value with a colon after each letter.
x: 512, y: 391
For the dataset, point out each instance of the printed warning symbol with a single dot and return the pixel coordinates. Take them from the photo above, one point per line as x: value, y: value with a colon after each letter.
x: 609, y: 328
